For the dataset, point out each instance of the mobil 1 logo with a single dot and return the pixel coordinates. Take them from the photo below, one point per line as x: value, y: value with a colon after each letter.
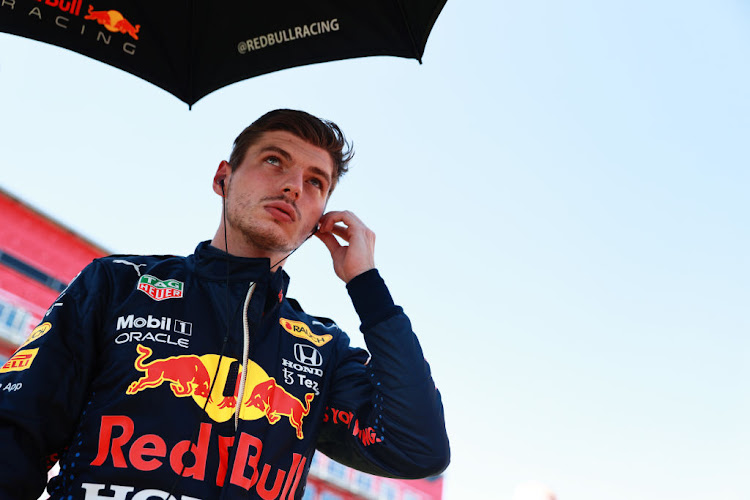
x: 162, y: 329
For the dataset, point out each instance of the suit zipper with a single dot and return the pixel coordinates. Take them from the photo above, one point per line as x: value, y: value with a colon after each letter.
x: 245, y: 354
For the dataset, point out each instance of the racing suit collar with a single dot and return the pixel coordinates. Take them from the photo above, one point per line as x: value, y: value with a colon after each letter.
x: 213, y: 263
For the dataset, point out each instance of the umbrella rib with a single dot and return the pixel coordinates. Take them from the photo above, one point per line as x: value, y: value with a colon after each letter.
x: 190, y: 88
x: 417, y: 55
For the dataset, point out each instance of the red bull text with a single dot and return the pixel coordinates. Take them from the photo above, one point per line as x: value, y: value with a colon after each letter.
x: 72, y: 7
x: 151, y: 452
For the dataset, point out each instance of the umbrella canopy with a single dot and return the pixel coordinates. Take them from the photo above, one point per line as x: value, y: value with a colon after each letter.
x: 191, y: 48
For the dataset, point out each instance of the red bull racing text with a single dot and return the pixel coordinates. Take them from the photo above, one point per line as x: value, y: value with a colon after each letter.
x: 66, y: 15
x: 121, y: 448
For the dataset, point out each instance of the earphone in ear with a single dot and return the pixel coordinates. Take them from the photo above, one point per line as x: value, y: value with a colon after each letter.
x: 315, y: 230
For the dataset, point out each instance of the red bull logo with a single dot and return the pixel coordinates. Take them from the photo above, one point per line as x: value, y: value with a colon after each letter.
x: 186, y: 374
x: 273, y: 401
x: 67, y: 18
x: 193, y: 376
x: 113, y: 21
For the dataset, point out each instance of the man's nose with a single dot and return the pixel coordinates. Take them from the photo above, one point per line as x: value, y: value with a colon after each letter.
x: 292, y: 185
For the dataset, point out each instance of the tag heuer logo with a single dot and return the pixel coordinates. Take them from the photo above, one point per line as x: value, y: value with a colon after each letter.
x: 160, y: 289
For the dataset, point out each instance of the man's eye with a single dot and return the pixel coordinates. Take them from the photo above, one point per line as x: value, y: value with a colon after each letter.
x: 273, y: 160
x: 317, y: 183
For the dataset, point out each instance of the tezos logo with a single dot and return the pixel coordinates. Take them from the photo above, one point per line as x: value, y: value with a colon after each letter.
x: 160, y: 289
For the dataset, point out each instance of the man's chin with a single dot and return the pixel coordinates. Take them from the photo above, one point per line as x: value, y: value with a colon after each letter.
x: 269, y: 241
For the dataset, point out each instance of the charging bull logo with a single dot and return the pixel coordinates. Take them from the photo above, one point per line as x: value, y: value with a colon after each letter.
x: 113, y: 21
x: 273, y: 400
x: 186, y: 374
x: 193, y: 376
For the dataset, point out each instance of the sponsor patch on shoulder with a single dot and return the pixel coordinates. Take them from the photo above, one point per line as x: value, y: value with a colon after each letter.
x: 301, y: 330
x: 37, y: 332
x: 160, y: 289
x: 20, y: 361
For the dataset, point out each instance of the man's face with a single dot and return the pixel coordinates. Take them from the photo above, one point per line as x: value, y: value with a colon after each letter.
x: 277, y: 194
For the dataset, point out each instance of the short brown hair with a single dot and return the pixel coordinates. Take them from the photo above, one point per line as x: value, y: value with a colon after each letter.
x: 320, y: 133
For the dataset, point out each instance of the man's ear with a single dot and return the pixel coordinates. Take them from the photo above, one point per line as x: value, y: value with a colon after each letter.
x: 221, y: 178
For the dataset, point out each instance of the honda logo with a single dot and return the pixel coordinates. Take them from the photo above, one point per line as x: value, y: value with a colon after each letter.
x: 307, y: 355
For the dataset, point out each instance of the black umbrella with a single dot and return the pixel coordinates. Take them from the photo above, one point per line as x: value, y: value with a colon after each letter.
x: 191, y: 48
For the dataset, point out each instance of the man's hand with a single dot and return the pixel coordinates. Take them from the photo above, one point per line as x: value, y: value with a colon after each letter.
x: 356, y: 258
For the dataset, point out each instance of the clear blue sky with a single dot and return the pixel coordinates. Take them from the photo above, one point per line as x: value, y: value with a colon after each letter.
x: 560, y: 194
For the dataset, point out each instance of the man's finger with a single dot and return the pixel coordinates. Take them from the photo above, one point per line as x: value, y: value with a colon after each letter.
x: 348, y: 218
x: 341, y: 231
x: 329, y: 240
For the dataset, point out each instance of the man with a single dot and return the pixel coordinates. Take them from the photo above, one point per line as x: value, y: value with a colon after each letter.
x: 196, y: 377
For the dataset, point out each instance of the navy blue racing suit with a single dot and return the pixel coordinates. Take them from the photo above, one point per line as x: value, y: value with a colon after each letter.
x: 197, y: 377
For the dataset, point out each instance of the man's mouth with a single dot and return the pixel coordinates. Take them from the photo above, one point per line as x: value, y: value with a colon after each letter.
x: 281, y: 211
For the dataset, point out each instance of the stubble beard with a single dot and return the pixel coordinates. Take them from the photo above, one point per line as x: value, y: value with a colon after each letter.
x: 255, y: 234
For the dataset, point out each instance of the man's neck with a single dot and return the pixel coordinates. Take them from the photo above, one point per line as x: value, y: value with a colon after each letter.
x: 247, y: 250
